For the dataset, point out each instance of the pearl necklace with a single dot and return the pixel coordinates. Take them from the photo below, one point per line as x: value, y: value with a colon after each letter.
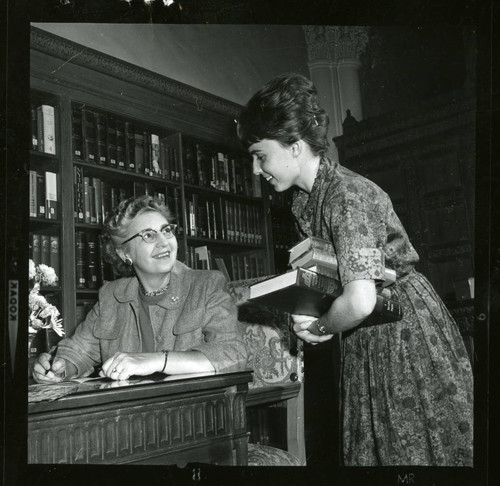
x: 153, y: 292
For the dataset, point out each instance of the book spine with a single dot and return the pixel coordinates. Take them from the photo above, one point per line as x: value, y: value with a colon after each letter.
x: 51, y: 197
x: 386, y: 310
x: 120, y: 144
x: 46, y: 129
x: 105, y: 200
x: 93, y: 212
x: 86, y: 199
x: 111, y: 141
x: 33, y: 196
x: 146, y: 156
x: 81, y: 281
x: 40, y: 194
x: 34, y: 128
x: 91, y: 257
x: 178, y: 210
x: 79, y: 211
x: 36, y: 247
x: 129, y: 147
x: 89, y: 136
x: 96, y: 184
x: 177, y: 164
x: 321, y: 283
x: 54, y: 254
x: 190, y: 162
x: 101, y: 136
x: 140, y: 166
x: 155, y: 169
x: 76, y: 132
x: 45, y: 252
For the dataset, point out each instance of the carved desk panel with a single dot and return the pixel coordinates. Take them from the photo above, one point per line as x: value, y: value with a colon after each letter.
x: 176, y: 420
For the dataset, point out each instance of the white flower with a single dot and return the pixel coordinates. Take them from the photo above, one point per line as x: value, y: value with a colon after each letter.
x: 47, y: 274
x: 42, y: 314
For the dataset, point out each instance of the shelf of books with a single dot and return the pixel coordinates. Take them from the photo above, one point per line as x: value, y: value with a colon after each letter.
x: 224, y: 222
x: 45, y: 186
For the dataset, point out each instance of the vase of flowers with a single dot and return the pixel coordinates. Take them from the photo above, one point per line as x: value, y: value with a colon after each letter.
x: 43, y: 316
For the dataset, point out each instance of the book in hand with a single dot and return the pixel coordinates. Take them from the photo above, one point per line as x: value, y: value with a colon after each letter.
x: 317, y: 251
x: 302, y: 291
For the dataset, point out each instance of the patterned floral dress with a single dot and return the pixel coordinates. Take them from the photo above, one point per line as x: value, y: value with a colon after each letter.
x: 407, y: 387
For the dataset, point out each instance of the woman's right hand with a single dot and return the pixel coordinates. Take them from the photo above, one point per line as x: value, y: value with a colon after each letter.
x: 48, y: 369
x: 301, y: 324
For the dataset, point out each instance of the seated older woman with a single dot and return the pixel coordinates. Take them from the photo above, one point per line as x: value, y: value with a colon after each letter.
x: 165, y: 317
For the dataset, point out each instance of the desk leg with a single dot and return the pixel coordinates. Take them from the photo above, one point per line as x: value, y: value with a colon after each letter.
x: 241, y: 451
x: 295, y: 426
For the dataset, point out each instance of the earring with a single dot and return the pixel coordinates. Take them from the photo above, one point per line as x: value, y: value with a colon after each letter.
x: 128, y: 261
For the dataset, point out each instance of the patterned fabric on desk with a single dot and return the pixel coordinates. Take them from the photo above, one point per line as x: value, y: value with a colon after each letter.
x: 274, y: 354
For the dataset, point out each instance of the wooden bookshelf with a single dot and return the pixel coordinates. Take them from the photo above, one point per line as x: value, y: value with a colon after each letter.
x: 186, y: 119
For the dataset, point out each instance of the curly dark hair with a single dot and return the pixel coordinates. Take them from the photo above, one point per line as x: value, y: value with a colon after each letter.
x: 117, y: 223
x: 285, y: 109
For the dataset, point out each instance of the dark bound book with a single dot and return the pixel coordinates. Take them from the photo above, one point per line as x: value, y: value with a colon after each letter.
x: 129, y: 147
x: 80, y: 263
x: 40, y: 195
x: 302, y: 291
x: 92, y: 261
x: 89, y: 135
x: 79, y: 209
x: 36, y: 248
x: 102, y: 149
x: 34, y: 129
x: 120, y: 144
x: 45, y: 253
x: 54, y: 254
x: 76, y: 132
x: 111, y: 141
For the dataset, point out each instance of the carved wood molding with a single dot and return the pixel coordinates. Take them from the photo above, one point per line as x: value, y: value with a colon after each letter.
x: 74, y: 53
x: 134, y: 432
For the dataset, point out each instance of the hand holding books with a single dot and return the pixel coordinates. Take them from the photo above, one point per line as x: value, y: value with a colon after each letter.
x: 311, y: 288
x: 310, y: 329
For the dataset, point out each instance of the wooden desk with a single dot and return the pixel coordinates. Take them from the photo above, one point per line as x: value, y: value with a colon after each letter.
x: 173, y: 420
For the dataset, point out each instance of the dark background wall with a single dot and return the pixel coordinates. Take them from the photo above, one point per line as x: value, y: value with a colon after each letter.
x: 401, y: 66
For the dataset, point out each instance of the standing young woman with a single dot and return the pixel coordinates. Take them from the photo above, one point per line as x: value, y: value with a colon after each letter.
x: 407, y: 387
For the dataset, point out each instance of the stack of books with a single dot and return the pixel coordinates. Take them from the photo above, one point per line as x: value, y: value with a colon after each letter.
x: 312, y: 284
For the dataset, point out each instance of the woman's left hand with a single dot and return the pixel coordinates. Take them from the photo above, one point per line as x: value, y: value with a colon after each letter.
x: 300, y: 326
x: 123, y: 365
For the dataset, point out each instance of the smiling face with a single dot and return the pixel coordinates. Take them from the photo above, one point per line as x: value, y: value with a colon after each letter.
x: 276, y: 163
x: 152, y: 261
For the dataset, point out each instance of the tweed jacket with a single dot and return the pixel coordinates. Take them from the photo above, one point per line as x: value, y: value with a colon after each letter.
x: 195, y: 314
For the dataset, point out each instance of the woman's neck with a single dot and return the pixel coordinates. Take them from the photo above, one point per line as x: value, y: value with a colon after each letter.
x: 309, y: 169
x: 153, y: 283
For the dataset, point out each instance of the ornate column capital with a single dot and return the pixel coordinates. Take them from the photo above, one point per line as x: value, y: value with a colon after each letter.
x: 335, y: 43
x: 347, y: 42
x: 317, y: 42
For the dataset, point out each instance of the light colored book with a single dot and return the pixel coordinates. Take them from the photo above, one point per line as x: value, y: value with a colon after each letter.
x: 46, y: 129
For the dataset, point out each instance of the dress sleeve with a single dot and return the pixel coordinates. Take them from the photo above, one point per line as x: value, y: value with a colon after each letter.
x: 223, y: 334
x: 357, y: 225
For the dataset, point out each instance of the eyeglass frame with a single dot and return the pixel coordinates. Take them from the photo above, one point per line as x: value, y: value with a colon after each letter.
x: 172, y: 234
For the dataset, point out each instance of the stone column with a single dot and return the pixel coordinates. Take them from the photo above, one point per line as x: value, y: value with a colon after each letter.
x: 323, y: 76
x: 346, y: 46
x: 334, y: 67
